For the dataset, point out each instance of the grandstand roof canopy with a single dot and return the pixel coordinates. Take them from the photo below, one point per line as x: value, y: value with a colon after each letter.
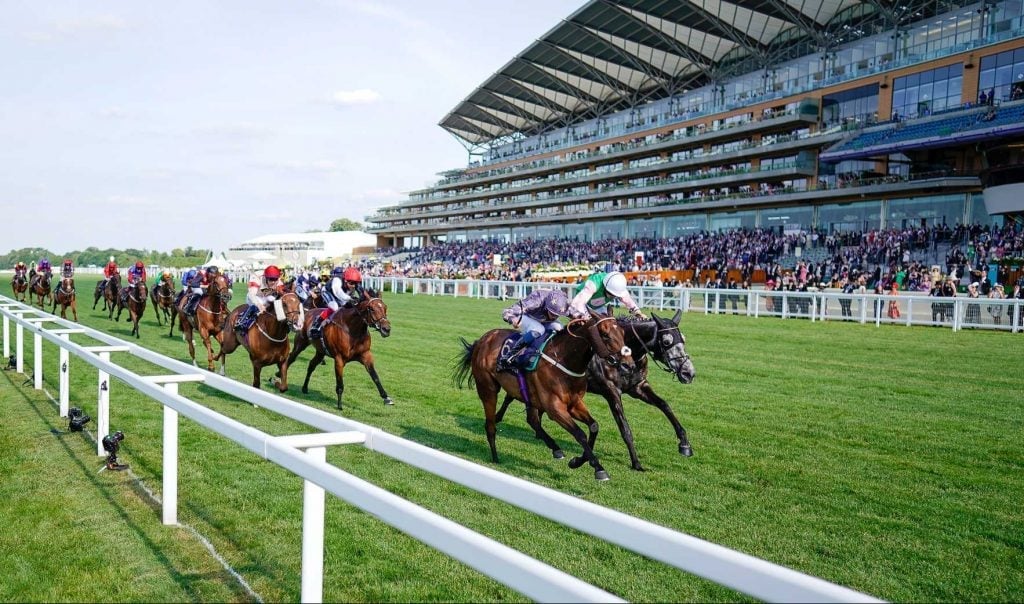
x: 614, y: 54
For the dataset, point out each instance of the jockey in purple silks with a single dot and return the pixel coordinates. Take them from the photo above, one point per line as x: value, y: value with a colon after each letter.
x: 533, y: 316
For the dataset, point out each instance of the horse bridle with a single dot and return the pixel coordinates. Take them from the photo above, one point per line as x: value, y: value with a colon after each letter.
x: 608, y: 355
x: 365, y: 315
x: 658, y: 362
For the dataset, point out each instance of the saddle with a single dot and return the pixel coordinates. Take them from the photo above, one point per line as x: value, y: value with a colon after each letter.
x: 525, y: 359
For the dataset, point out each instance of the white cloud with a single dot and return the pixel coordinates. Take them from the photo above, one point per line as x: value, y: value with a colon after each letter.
x: 361, y: 96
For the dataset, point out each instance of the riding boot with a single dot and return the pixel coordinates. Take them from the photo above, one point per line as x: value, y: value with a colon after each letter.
x: 315, y: 328
x: 190, y: 308
x: 246, y: 319
x: 515, y: 354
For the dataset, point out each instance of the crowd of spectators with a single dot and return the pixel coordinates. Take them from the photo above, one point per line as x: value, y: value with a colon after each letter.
x: 876, y: 257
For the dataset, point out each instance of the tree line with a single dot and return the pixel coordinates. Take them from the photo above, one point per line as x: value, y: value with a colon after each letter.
x: 177, y: 258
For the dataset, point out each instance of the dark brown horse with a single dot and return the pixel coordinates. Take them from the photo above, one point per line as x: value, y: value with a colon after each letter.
x: 108, y: 292
x: 40, y: 288
x: 267, y: 339
x: 65, y: 296
x: 345, y: 338
x: 133, y: 298
x: 556, y: 387
x: 659, y: 339
x: 208, y: 319
x: 20, y: 285
x: 162, y: 294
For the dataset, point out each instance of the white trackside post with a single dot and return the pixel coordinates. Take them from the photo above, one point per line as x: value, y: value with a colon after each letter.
x: 313, y: 505
x: 170, y: 510
x: 20, y: 348
x: 7, y: 338
x: 103, y: 405
x: 37, y: 360
x: 64, y: 370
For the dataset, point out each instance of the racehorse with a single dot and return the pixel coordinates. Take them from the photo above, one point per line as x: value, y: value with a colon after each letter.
x: 20, y: 285
x: 108, y: 293
x: 65, y: 296
x: 208, y: 320
x: 661, y: 339
x: 40, y: 288
x: 133, y: 298
x: 556, y: 387
x: 346, y: 337
x: 267, y: 338
x: 162, y: 294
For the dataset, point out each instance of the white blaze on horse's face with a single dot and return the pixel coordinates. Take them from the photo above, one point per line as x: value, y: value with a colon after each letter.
x: 279, y: 310
x: 625, y: 351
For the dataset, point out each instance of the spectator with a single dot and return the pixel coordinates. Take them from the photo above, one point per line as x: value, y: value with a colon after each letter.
x: 973, y: 313
x: 996, y: 310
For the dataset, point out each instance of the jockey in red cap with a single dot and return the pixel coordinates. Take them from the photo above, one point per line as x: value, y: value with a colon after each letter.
x: 263, y: 290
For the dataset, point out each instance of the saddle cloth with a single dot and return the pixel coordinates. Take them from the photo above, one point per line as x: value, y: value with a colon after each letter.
x: 527, y: 361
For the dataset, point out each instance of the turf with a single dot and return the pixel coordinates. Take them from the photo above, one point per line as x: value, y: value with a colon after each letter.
x: 885, y: 459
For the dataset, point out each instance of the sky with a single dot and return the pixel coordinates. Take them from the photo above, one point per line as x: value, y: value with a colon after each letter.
x: 161, y: 125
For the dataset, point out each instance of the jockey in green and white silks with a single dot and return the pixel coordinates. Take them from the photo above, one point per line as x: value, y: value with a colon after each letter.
x: 592, y: 296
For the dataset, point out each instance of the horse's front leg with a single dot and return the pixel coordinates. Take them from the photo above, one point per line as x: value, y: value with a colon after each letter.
x: 645, y: 393
x: 339, y: 377
x: 367, y: 360
x: 610, y: 391
x: 156, y: 311
x: 533, y: 418
x: 504, y: 407
x: 566, y: 417
x: 282, y: 374
x: 313, y: 363
x: 74, y: 309
x: 205, y: 335
x: 257, y: 369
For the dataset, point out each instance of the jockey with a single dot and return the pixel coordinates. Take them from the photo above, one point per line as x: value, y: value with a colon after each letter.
x: 534, y: 315
x: 20, y: 270
x: 137, y: 273
x: 592, y: 296
x: 68, y: 270
x: 186, y: 277
x: 198, y: 284
x: 304, y: 285
x: 262, y: 291
x: 108, y: 271
x: 167, y: 276
x: 344, y: 288
x: 44, y: 266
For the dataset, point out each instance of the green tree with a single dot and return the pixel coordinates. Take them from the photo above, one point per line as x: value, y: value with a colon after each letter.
x: 346, y: 224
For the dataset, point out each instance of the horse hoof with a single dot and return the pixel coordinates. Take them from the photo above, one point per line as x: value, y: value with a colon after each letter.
x: 576, y: 462
x: 685, y: 451
x: 388, y: 401
x: 557, y: 454
x: 601, y: 475
x: 639, y: 468
x: 305, y: 390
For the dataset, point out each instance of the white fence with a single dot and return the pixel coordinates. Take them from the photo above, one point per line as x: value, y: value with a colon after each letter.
x: 914, y: 309
x: 305, y: 456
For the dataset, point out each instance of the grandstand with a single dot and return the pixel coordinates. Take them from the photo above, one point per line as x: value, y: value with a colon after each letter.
x: 650, y: 119
x: 298, y: 249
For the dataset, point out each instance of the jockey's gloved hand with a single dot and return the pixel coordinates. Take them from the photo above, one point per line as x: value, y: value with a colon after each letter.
x: 556, y: 326
x: 639, y: 314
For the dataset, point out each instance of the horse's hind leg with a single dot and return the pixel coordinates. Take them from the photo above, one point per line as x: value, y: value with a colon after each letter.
x: 565, y: 418
x: 339, y: 377
x: 504, y: 407
x: 533, y: 418
x: 74, y: 309
x: 367, y: 361
x: 487, y: 389
x: 645, y: 393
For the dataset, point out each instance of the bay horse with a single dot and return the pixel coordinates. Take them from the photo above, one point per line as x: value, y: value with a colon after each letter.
x: 19, y: 284
x: 162, y: 294
x: 660, y: 339
x: 134, y: 298
x: 40, y: 288
x: 65, y: 296
x: 208, y: 320
x: 267, y: 338
x: 108, y: 293
x: 346, y: 337
x: 557, y: 385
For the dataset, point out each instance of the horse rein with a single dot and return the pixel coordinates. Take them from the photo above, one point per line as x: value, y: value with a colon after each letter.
x: 647, y: 351
x: 364, y: 314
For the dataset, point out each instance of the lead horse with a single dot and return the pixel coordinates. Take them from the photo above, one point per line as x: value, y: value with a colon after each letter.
x: 345, y: 338
x: 40, y: 288
x: 267, y: 338
x: 108, y: 292
x: 659, y: 339
x: 208, y: 319
x: 64, y: 295
x: 557, y: 385
x: 19, y: 284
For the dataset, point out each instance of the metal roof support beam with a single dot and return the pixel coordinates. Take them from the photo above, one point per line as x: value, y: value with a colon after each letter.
x: 752, y: 46
x: 702, y: 62
x: 648, y: 69
x: 599, y: 75
x: 805, y: 23
x: 512, y: 107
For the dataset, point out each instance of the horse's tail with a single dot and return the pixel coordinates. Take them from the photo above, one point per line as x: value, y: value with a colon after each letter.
x: 462, y: 374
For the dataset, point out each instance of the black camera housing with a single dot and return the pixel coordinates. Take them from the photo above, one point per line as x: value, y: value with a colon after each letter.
x: 77, y: 419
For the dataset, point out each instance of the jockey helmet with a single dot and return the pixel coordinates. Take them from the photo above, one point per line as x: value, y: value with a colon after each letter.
x: 212, y: 269
x: 139, y: 264
x: 615, y: 284
x: 165, y: 274
x: 337, y: 271
x: 352, y: 275
x: 111, y: 258
x: 272, y: 273
x: 67, y: 261
x: 557, y: 304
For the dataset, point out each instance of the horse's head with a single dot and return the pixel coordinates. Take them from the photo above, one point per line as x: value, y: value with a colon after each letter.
x: 607, y: 340
x: 670, y: 348
x: 373, y: 310
x: 67, y: 284
x: 289, y: 308
x: 140, y: 290
x: 220, y: 288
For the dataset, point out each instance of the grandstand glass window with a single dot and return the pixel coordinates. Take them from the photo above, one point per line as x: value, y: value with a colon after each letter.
x: 645, y: 228
x: 1004, y: 74
x: 682, y: 226
x: 850, y: 217
x: 925, y: 211
x: 726, y: 221
x: 857, y: 105
x: 578, y: 232
x: 612, y: 229
x: 781, y: 220
x: 549, y: 231
x: 927, y: 92
x: 520, y: 234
